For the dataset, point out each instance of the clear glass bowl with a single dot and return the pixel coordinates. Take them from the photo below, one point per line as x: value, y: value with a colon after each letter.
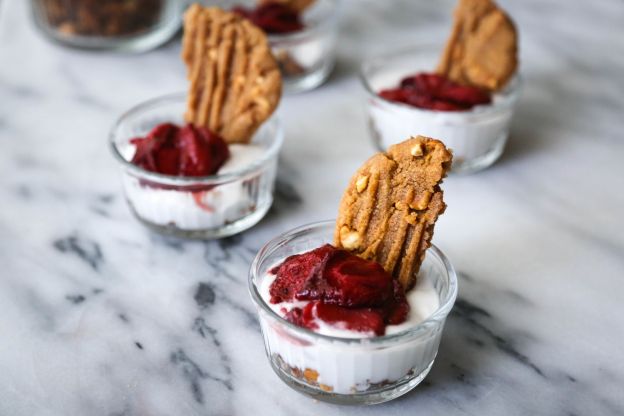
x: 194, y: 207
x: 342, y: 370
x: 307, y: 57
x: 124, y: 25
x: 477, y: 137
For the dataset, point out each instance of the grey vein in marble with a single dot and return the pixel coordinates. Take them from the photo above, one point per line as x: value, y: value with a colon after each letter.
x: 101, y: 317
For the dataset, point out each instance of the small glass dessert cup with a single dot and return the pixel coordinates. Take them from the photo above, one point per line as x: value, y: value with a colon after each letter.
x: 305, y: 57
x: 476, y: 136
x: 206, y: 207
x: 349, y: 370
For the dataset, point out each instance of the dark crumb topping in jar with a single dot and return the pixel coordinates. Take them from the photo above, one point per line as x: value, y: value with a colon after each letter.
x: 106, y: 18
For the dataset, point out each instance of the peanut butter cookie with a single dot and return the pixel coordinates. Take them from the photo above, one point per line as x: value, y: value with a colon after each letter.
x: 296, y: 5
x: 483, y: 47
x: 388, y: 211
x: 235, y: 84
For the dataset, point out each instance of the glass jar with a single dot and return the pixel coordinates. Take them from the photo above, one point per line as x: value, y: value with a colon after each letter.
x: 349, y: 370
x: 306, y: 57
x: 124, y: 25
x: 215, y: 206
x: 477, y: 136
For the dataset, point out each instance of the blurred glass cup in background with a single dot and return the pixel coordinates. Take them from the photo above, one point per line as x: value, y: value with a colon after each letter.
x: 122, y: 25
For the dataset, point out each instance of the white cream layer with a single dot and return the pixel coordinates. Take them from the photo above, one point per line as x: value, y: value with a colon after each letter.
x: 228, y: 202
x: 349, y: 368
x: 423, y: 301
x: 470, y: 134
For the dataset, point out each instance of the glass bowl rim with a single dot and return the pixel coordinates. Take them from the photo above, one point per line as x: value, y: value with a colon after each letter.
x: 509, y: 93
x: 439, y: 314
x: 269, y: 154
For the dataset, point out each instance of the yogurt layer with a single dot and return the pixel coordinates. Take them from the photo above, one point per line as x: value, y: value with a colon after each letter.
x: 353, y: 367
x: 191, y: 210
x: 423, y: 300
x: 471, y: 134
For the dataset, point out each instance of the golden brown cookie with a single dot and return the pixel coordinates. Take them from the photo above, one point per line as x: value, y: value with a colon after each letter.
x: 482, y: 50
x: 297, y: 5
x: 388, y: 211
x: 235, y: 84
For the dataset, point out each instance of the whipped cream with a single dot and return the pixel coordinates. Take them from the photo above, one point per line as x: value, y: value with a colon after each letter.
x: 423, y: 301
x: 349, y: 368
x: 188, y: 210
x: 471, y: 134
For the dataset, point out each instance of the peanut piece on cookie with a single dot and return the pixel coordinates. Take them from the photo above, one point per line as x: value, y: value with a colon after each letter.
x: 235, y: 84
x: 482, y: 50
x: 361, y: 183
x: 391, y: 220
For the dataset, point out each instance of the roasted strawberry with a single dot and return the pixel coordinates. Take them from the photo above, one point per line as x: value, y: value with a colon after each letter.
x: 436, y: 92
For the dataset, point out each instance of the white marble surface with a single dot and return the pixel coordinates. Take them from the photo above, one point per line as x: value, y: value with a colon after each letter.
x: 98, y: 316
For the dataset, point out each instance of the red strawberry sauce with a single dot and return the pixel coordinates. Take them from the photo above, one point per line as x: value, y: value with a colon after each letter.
x: 180, y: 151
x: 436, y: 92
x: 273, y: 18
x: 342, y: 289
